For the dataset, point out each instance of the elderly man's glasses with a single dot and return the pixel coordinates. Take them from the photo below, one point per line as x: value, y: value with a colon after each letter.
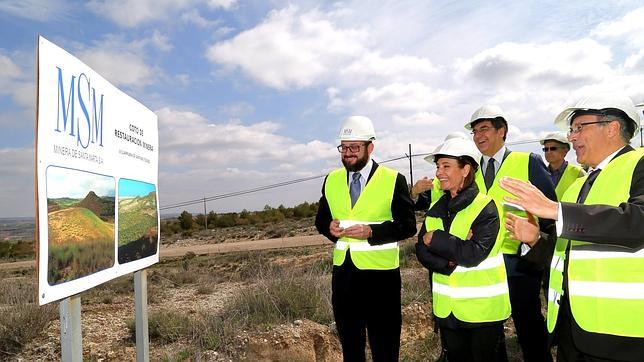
x: 352, y: 148
x: 580, y: 126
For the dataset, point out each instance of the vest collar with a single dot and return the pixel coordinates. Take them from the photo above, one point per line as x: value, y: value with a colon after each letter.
x: 448, y: 205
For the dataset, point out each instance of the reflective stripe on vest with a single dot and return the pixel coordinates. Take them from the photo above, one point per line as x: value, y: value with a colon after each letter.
x: 515, y: 166
x: 570, y: 174
x: 372, y: 207
x: 476, y: 294
x: 605, y: 282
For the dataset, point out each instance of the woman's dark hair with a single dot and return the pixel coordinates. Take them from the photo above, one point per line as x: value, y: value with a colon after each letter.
x: 462, y: 161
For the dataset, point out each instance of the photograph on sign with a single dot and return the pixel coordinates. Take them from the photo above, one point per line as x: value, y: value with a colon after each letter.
x: 97, y: 156
x: 80, y: 219
x: 138, y: 222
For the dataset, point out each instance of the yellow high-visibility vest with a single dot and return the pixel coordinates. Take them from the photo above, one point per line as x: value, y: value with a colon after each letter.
x: 476, y: 294
x: 372, y: 207
x: 570, y: 174
x: 515, y: 166
x: 605, y: 282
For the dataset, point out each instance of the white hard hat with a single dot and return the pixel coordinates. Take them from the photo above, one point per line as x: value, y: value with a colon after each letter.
x: 357, y: 128
x: 456, y: 134
x: 599, y: 102
x: 555, y: 136
x: 456, y: 147
x: 485, y: 112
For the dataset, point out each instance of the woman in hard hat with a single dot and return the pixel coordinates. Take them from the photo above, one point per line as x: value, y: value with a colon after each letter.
x: 459, y: 243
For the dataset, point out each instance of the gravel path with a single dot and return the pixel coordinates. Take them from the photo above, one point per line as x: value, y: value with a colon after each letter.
x: 221, y: 248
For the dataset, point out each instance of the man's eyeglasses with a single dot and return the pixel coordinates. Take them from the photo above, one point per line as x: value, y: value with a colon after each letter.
x: 480, y: 130
x: 577, y: 128
x: 553, y: 148
x: 352, y: 148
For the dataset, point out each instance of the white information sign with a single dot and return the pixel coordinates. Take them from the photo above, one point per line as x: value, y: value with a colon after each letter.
x: 97, y: 153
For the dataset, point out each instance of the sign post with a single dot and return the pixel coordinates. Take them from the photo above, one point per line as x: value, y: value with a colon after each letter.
x: 71, y: 342
x: 141, y: 319
x: 97, y: 157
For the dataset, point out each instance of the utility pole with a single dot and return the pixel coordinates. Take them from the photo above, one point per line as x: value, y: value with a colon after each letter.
x: 205, y: 216
x: 411, y: 169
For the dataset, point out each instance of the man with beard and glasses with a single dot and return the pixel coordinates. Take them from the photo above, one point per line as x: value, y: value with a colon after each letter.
x: 365, y: 209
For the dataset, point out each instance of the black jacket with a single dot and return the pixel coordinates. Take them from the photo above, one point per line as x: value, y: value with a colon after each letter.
x: 445, y: 247
x: 402, y: 227
x: 621, y: 225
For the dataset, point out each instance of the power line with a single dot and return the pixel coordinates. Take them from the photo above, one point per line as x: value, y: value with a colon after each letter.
x: 287, y: 183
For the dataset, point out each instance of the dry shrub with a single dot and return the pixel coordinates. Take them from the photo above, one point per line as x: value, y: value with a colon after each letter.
x: 285, y: 295
x: 21, y: 319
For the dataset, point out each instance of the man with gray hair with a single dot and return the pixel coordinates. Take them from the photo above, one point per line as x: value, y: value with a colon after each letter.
x: 596, y: 289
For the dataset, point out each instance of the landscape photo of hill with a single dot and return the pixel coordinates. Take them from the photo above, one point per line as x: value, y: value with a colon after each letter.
x: 80, y: 229
x: 138, y: 228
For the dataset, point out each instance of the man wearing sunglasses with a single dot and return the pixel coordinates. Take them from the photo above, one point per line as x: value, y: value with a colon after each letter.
x: 596, y: 291
x: 365, y: 209
x: 562, y: 174
x: 489, y: 129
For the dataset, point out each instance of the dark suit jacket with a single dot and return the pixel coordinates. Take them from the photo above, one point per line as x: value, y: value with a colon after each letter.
x: 602, y: 224
x: 402, y: 227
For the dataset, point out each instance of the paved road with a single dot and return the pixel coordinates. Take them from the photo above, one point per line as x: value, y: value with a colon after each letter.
x: 173, y: 252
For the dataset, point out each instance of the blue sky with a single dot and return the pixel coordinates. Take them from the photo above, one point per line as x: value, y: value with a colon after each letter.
x: 133, y: 188
x: 252, y: 93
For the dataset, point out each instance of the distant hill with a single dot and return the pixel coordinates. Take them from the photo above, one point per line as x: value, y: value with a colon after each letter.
x: 138, y: 228
x: 101, y: 206
x: 137, y: 217
x: 78, y: 225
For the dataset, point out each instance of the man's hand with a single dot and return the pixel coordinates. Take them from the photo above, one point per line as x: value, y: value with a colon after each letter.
x: 523, y: 229
x: 530, y: 198
x: 427, y: 238
x: 358, y: 231
x: 335, y: 229
x: 421, y: 186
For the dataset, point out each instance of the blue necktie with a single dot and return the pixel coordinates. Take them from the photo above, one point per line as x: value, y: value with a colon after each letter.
x: 354, y: 189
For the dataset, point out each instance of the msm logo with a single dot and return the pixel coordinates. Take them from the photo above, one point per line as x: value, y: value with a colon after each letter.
x: 88, y: 127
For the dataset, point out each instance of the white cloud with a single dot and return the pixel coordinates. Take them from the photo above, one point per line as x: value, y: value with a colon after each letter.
x: 397, y: 68
x: 401, y: 97
x: 15, y: 82
x: 516, y: 66
x: 162, y: 42
x: 289, y: 49
x: 131, y: 13
x: 194, y: 16
x: 38, y: 10
x: 629, y: 28
x: 190, y: 139
x: 635, y: 63
x: 121, y: 62
x: 224, y: 4
x: 238, y: 109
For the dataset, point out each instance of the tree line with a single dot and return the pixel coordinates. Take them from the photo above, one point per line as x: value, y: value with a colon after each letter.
x: 188, y: 222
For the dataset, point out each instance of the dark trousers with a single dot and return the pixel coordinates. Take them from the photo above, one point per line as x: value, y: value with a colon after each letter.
x: 530, y: 325
x: 482, y: 344
x: 367, y: 301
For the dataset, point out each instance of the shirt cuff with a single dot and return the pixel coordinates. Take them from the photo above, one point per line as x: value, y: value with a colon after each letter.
x: 559, y: 221
x: 525, y: 248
